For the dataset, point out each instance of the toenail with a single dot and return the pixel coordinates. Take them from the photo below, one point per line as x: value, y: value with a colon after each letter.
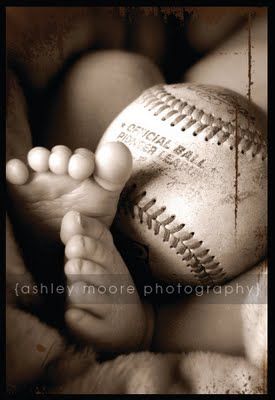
x: 85, y: 153
x: 78, y: 217
x: 61, y: 148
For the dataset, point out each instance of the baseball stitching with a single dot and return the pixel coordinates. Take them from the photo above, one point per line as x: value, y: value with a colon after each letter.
x: 158, y: 99
x: 165, y: 105
x: 203, y: 265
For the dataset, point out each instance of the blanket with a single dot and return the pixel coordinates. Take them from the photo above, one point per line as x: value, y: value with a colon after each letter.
x: 45, y: 363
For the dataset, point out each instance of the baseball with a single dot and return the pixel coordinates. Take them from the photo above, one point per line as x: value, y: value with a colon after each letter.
x: 197, y: 199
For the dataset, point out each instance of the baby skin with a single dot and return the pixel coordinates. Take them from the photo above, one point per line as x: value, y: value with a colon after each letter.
x: 76, y: 196
x: 54, y: 182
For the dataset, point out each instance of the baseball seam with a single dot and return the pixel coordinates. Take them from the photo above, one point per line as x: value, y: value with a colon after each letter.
x: 159, y: 100
x: 198, y: 258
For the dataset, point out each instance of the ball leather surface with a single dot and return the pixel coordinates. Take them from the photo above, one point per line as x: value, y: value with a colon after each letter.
x: 197, y: 199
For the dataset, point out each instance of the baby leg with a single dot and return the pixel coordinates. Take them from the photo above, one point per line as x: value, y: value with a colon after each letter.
x: 228, y: 64
x: 97, y: 87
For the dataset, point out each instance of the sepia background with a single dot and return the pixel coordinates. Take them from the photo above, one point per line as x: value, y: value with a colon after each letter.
x: 224, y: 46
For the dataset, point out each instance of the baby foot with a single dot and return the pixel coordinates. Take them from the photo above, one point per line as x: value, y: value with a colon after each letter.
x: 104, y: 308
x: 61, y: 181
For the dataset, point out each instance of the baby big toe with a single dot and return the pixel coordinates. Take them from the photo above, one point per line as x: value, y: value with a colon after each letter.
x: 85, y: 295
x: 74, y: 223
x: 17, y: 172
x: 113, y: 165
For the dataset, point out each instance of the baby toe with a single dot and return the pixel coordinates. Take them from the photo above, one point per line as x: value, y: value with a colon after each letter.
x: 81, y: 164
x: 61, y: 147
x: 59, y: 160
x: 75, y: 247
x: 38, y: 159
x: 74, y: 223
x: 80, y: 246
x: 16, y: 172
x: 71, y: 225
x: 113, y: 165
x: 79, y: 269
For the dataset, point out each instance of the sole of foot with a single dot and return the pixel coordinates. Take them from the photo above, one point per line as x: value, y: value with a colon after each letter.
x: 104, y: 308
x: 53, y: 182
